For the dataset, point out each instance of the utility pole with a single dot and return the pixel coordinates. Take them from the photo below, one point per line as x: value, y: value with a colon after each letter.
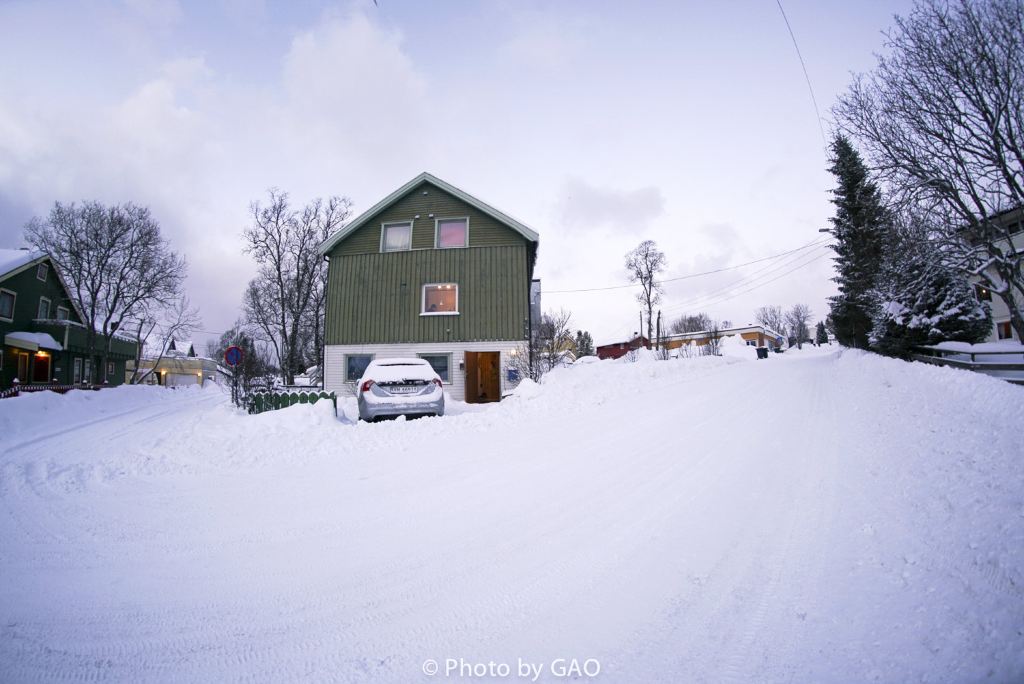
x: 642, y: 329
x: 657, y: 345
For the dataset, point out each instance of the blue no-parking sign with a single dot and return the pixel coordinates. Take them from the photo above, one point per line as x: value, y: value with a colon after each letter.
x: 233, y: 355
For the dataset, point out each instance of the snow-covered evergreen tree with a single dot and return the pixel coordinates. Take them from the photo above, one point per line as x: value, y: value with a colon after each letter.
x: 820, y: 334
x: 859, y: 227
x: 584, y: 343
x: 920, y: 298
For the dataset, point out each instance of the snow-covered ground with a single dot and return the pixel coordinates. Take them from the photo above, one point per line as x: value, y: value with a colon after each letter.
x: 815, y: 517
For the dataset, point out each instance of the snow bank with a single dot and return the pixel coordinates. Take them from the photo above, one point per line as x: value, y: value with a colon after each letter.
x: 821, y: 516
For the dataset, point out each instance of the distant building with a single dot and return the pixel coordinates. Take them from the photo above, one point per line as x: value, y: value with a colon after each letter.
x: 45, y: 338
x: 753, y: 335
x: 1013, y: 220
x: 615, y: 350
x: 180, y: 366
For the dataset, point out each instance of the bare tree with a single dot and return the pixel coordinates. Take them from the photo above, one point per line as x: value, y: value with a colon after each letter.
x: 772, y: 318
x: 554, y: 338
x: 285, y: 301
x: 115, y: 260
x: 644, y: 264
x: 160, y: 328
x: 690, y: 323
x: 797, y: 319
x: 942, y: 120
x: 713, y: 347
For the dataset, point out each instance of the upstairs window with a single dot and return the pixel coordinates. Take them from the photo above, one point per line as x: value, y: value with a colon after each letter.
x: 44, y: 308
x: 7, y: 304
x: 440, y: 299
x: 41, y: 271
x: 396, y: 237
x: 452, y: 233
x: 62, y: 313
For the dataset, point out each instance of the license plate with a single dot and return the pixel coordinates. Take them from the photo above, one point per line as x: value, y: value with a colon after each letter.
x: 404, y: 389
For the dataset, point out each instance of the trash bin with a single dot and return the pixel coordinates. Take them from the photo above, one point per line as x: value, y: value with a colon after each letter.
x: 762, y: 352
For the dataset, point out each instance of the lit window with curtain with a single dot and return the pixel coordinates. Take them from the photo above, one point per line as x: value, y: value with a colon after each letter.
x: 440, y: 299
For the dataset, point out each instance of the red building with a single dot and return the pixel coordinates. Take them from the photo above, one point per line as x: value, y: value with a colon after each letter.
x: 619, y: 349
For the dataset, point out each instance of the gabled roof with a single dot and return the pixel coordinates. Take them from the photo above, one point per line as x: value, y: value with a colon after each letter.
x: 14, y: 261
x: 363, y: 218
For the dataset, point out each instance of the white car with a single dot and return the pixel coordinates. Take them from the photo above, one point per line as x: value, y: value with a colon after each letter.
x: 399, y: 387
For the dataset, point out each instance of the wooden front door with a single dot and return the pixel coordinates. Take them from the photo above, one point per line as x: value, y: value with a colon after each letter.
x: 41, y: 368
x: 483, y: 377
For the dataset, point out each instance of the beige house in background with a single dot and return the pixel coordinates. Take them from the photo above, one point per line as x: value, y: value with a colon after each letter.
x: 180, y: 366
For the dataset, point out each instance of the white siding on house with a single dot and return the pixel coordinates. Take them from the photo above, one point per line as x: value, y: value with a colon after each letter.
x: 334, y: 362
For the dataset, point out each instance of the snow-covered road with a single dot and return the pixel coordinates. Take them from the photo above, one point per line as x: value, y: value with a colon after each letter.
x: 815, y: 517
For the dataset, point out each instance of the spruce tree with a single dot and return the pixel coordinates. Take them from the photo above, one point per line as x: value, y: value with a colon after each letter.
x: 859, y: 228
x: 920, y: 298
x: 820, y: 334
x: 584, y: 343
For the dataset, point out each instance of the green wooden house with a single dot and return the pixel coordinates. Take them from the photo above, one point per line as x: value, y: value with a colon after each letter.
x: 44, y: 337
x: 434, y: 272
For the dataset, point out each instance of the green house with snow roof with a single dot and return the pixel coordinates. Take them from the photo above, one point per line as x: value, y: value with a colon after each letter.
x: 45, y: 340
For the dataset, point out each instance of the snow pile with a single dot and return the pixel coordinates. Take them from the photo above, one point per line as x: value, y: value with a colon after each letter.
x: 821, y: 516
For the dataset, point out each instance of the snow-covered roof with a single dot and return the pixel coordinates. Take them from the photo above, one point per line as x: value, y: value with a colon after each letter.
x: 363, y: 218
x: 15, y: 259
x: 32, y: 341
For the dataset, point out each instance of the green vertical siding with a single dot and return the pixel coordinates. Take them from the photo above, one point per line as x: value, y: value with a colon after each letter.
x: 484, y: 231
x: 375, y: 298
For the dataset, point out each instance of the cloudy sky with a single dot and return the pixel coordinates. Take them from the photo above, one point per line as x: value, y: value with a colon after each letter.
x: 599, y: 124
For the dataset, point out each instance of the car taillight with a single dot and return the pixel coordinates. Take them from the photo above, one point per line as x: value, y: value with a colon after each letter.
x: 366, y: 386
x: 436, y: 382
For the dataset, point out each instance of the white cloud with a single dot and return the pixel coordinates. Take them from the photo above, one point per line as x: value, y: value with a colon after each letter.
x: 584, y: 206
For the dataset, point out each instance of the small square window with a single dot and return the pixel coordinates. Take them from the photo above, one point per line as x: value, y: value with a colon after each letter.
x: 452, y: 233
x: 397, y: 237
x: 441, y: 363
x: 44, y: 308
x: 1004, y: 331
x: 62, y: 313
x: 355, y: 366
x: 7, y: 304
x: 440, y: 299
x: 41, y: 271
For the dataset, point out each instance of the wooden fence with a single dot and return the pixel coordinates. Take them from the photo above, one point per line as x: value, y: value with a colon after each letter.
x: 260, y: 402
x: 977, y: 361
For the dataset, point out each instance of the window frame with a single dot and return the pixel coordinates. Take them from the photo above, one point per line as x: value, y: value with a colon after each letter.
x: 48, y: 305
x: 67, y: 313
x: 1008, y: 328
x: 384, y: 231
x: 423, y: 300
x: 14, y: 303
x: 45, y: 267
x: 111, y: 369
x: 76, y: 370
x: 437, y: 231
x: 451, y: 359
x: 346, y: 357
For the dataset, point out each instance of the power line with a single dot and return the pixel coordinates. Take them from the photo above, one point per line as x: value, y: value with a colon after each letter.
x: 691, y: 275
x: 733, y: 295
x: 757, y: 275
x: 810, y: 88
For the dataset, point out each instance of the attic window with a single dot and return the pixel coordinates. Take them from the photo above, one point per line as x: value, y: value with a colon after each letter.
x: 396, y: 237
x: 452, y: 233
x: 42, y: 270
